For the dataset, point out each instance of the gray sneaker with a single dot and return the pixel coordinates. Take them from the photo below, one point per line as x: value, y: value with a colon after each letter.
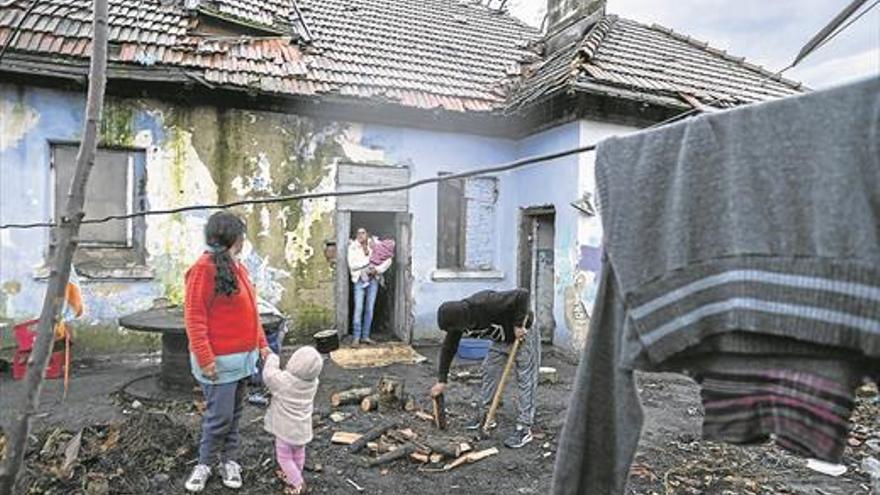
x: 520, y: 437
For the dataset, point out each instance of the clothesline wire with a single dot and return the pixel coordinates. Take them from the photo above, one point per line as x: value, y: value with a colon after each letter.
x: 505, y: 167
x: 327, y: 194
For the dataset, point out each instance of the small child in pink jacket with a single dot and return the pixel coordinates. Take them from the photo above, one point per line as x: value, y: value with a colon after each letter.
x: 289, y: 417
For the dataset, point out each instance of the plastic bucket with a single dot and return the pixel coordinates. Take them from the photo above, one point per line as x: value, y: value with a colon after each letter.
x: 473, y: 348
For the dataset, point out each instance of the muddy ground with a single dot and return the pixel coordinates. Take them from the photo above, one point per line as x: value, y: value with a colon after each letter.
x: 149, y: 446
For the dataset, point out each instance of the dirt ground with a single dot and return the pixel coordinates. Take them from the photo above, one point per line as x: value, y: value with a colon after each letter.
x: 148, y: 446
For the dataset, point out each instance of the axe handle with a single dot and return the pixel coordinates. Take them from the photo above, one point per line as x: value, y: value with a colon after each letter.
x: 490, y: 416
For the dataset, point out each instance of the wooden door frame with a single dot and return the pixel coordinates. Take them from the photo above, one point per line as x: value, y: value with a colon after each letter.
x: 527, y: 227
x: 402, y: 318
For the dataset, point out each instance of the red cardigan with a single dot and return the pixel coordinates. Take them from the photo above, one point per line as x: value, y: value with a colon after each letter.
x: 217, y: 325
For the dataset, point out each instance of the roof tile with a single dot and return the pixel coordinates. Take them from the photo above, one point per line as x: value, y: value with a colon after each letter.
x: 413, y: 52
x: 651, y: 61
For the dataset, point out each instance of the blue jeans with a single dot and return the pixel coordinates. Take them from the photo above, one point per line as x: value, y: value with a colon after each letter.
x: 363, y: 316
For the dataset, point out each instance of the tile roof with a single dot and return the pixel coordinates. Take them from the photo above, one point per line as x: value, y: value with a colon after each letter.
x: 450, y: 54
x: 455, y: 55
x: 651, y: 63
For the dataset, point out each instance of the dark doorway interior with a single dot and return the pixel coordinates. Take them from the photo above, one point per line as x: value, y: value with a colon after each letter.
x: 382, y: 225
x: 536, y: 265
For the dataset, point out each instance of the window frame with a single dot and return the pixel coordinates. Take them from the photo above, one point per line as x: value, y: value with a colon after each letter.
x: 129, y: 259
x: 461, y: 271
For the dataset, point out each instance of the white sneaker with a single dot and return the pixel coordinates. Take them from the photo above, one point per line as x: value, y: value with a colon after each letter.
x: 231, y: 473
x: 198, y: 478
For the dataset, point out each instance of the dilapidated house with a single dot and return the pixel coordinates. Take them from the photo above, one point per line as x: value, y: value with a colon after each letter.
x: 218, y: 100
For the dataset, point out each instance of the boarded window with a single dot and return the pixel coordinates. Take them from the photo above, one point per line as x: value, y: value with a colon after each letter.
x: 466, y: 223
x: 108, y: 192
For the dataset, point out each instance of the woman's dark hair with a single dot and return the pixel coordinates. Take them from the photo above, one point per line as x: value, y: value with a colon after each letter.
x: 223, y: 230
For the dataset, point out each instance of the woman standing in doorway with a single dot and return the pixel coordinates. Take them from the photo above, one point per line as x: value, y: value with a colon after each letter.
x: 365, y: 277
x: 225, y: 340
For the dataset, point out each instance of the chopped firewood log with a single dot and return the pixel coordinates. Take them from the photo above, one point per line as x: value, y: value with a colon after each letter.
x: 369, y: 436
x: 419, y: 457
x: 436, y: 458
x: 380, y: 447
x: 398, y: 453
x: 470, y: 457
x: 350, y: 396
x: 424, y: 416
x: 439, y: 411
x: 345, y: 438
x: 411, y: 405
x: 444, y: 449
x: 370, y: 403
x: 391, y: 393
x: 408, y: 433
x: 464, y: 448
x: 398, y: 436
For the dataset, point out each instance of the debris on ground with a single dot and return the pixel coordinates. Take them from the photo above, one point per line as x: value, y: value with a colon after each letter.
x: 124, y: 457
x: 376, y: 356
x: 152, y: 448
x: 548, y: 375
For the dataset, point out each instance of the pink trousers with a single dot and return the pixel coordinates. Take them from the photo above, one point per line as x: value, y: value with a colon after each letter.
x: 291, y: 459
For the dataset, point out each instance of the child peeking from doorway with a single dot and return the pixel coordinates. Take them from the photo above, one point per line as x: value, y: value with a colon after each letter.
x: 290, y: 413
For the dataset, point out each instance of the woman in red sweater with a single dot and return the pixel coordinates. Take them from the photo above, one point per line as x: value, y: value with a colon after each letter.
x: 225, y: 341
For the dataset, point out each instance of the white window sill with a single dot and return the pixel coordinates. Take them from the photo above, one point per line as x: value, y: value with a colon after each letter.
x: 444, y: 274
x: 104, y: 265
x: 132, y: 273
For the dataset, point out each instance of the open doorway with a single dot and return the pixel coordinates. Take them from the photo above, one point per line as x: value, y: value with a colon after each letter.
x: 385, y: 215
x: 536, y: 273
x: 382, y: 226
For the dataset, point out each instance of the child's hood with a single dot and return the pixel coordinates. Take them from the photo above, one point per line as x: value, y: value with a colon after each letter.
x: 305, y: 364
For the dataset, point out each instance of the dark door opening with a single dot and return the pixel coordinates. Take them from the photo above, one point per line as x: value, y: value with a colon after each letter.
x: 536, y: 273
x: 383, y: 226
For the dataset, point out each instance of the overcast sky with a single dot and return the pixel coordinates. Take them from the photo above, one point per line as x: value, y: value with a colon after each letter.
x: 767, y: 32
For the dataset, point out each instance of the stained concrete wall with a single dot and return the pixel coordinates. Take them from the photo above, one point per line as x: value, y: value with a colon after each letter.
x: 577, y: 244
x: 205, y: 154
x: 427, y: 154
x: 198, y: 154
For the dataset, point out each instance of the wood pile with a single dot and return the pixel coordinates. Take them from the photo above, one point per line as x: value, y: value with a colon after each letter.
x: 389, y: 440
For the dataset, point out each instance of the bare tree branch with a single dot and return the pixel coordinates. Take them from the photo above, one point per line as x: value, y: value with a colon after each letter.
x: 61, y: 254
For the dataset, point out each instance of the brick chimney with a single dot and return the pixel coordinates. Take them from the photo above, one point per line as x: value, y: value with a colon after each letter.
x: 568, y: 20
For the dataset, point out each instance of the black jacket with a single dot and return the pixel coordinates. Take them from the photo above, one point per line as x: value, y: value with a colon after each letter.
x: 485, y: 315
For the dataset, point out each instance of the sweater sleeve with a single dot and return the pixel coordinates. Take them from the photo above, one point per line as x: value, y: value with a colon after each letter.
x: 447, y: 352
x: 272, y: 373
x: 604, y: 418
x: 261, y: 332
x: 196, y: 314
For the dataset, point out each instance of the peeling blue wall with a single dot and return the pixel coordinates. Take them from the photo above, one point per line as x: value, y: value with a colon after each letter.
x: 35, y: 117
x: 427, y: 154
x: 25, y: 196
x: 552, y: 183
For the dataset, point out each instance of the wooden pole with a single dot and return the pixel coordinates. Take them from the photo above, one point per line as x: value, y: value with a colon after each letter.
x: 65, y: 240
x: 490, y: 417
